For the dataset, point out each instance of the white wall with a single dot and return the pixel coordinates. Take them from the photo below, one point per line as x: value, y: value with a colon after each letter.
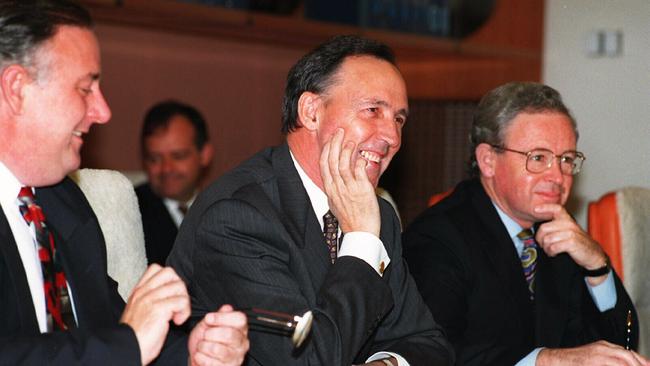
x: 609, y: 96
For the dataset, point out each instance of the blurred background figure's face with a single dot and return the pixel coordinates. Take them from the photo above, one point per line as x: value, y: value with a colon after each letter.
x: 173, y: 163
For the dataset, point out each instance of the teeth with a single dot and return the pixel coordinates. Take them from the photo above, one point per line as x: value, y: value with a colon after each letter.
x: 77, y: 133
x: 370, y: 156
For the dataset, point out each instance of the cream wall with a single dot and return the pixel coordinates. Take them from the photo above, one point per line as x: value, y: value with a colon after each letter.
x: 609, y: 96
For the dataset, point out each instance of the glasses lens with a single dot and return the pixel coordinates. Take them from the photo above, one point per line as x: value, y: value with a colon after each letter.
x: 572, y: 163
x: 539, y: 160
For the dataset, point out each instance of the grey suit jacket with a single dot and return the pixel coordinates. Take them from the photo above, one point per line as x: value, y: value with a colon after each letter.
x: 253, y: 240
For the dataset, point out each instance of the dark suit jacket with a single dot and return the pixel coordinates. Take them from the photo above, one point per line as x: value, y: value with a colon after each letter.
x: 159, y: 228
x: 252, y: 239
x: 98, y: 340
x: 468, y: 271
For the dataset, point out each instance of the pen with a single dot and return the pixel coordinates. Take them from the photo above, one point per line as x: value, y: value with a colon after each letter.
x: 629, y: 329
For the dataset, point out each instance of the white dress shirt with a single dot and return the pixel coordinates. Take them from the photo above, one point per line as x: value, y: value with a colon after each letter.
x: 25, y: 238
x: 174, y: 210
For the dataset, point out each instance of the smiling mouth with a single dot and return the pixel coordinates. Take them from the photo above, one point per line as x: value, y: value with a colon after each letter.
x: 370, y: 156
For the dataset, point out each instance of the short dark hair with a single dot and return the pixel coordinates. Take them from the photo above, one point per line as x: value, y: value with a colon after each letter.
x: 500, y: 106
x: 314, y: 72
x: 26, y: 24
x: 160, y: 114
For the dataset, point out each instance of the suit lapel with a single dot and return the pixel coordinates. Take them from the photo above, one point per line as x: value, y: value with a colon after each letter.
x: 77, y: 235
x: 19, y: 292
x: 551, y: 299
x: 500, y: 251
x: 300, y: 220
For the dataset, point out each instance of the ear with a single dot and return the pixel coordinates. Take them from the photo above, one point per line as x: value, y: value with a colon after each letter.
x: 13, y: 80
x: 206, y: 153
x: 486, y: 159
x: 308, y: 105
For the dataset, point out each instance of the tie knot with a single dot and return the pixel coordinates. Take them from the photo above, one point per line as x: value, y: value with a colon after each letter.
x: 330, y: 221
x: 26, y: 194
x: 525, y: 234
x: 182, y: 207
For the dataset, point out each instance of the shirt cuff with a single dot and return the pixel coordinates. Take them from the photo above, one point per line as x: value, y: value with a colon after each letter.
x: 530, y: 359
x: 366, y: 247
x: 379, y: 355
x: 604, y: 294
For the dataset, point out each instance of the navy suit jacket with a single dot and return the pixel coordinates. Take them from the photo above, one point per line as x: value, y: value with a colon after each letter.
x: 469, y: 273
x: 159, y: 228
x: 252, y: 239
x: 99, y: 339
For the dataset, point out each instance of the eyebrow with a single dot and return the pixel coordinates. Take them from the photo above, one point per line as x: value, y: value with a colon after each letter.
x: 403, y: 111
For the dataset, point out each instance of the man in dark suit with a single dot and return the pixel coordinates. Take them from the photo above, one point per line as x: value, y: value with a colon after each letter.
x: 506, y: 298
x: 57, y: 304
x: 175, y: 154
x: 263, y: 235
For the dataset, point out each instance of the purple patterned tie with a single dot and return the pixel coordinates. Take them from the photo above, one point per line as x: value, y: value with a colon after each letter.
x: 529, y: 259
x: 330, y: 232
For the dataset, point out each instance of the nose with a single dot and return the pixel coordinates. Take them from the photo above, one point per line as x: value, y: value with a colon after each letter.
x: 98, y: 110
x: 166, y: 165
x: 390, y: 131
x: 554, y: 173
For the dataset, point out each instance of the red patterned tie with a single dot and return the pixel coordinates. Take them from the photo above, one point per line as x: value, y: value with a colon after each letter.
x: 529, y: 259
x: 59, y: 309
x: 331, y: 232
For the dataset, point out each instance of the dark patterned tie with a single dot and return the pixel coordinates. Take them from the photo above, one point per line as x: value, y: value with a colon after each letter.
x: 182, y: 208
x: 529, y: 259
x: 330, y: 232
x: 57, y: 300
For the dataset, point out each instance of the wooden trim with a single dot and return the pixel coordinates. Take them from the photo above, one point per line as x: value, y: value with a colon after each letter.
x: 508, y: 47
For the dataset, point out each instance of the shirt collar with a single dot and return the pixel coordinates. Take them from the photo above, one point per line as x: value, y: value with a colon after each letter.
x: 317, y: 197
x: 511, y: 225
x: 9, y: 185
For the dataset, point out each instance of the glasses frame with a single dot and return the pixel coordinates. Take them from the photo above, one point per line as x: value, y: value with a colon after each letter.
x: 579, y: 157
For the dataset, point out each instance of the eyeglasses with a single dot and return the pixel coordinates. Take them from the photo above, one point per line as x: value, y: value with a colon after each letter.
x: 540, y: 160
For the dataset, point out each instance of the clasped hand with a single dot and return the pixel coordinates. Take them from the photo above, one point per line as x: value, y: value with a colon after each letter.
x: 220, y: 338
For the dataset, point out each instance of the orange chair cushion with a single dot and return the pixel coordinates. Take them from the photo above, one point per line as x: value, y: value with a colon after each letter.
x: 604, y: 227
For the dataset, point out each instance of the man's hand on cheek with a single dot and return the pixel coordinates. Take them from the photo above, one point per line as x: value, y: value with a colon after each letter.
x: 350, y: 193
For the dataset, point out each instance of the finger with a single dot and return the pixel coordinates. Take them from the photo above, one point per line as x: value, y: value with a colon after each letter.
x: 554, y: 237
x: 234, y: 319
x: 227, y: 353
x: 325, y: 175
x: 360, y: 172
x: 556, y: 248
x: 640, y: 359
x: 334, y: 155
x: 555, y: 210
x: 171, y: 297
x: 162, y: 276
x: 346, y: 161
x: 150, y: 272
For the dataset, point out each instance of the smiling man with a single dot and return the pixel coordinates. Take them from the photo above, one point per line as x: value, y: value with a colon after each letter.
x: 58, y: 306
x: 175, y: 155
x: 269, y: 234
x: 501, y: 263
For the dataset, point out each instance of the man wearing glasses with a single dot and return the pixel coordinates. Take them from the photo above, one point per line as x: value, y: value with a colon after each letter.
x: 501, y: 263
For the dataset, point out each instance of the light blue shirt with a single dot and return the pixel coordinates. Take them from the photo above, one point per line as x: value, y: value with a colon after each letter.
x: 604, y: 295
